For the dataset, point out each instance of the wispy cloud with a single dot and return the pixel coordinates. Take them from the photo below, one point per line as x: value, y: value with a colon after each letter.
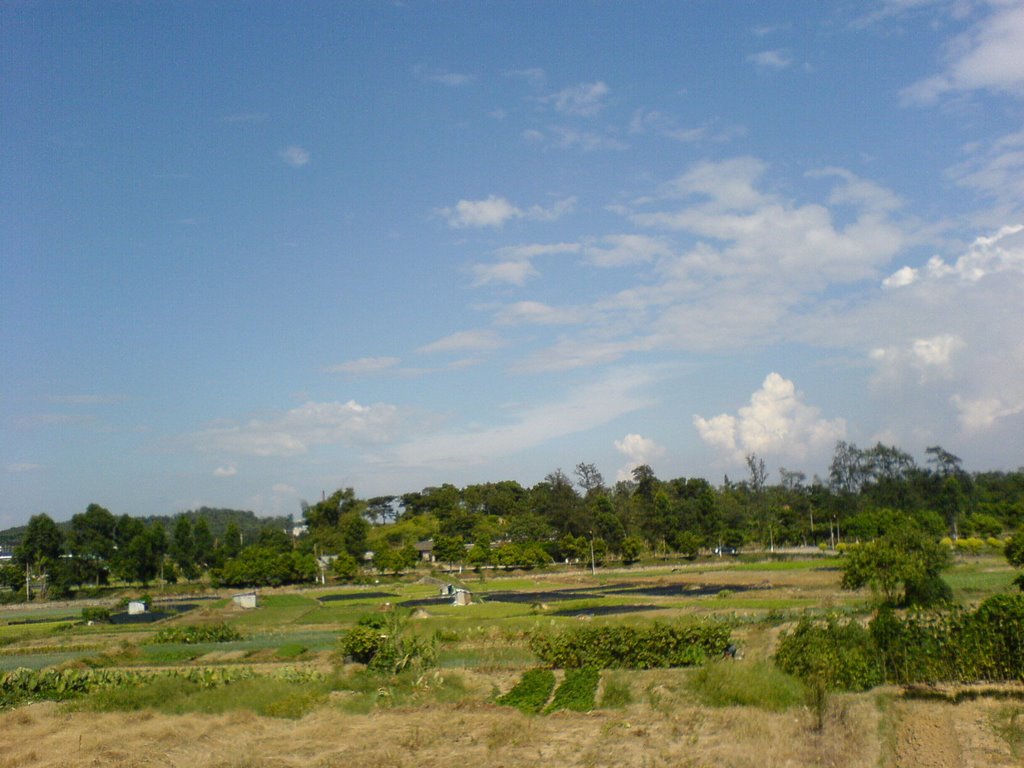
x: 585, y: 99
x: 617, y: 393
x: 294, y: 156
x: 495, y: 211
x: 986, y: 57
x: 364, y: 366
x: 297, y: 431
x: 442, y: 76
x: 84, y: 399
x: 773, y: 59
x: 20, y: 467
x: 465, y: 341
x: 229, y: 471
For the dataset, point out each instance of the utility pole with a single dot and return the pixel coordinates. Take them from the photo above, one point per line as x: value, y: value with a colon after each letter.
x: 593, y: 564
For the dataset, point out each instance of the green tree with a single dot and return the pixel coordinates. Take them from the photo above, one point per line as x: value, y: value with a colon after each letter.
x: 1014, y: 552
x: 632, y: 547
x: 449, y: 549
x: 903, y: 567
x: 41, y: 547
x: 183, y: 548
x: 91, y: 543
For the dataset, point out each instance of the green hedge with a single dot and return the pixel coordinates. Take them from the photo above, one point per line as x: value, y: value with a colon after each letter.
x: 656, y: 645
x: 532, y: 691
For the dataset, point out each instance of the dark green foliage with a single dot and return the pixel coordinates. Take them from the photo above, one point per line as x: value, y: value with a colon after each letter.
x: 197, y: 633
x: 96, y: 614
x: 902, y: 567
x: 361, y: 643
x: 655, y: 645
x: 259, y: 566
x: 532, y: 691
x: 392, y: 648
x: 957, y: 646
x: 577, y: 691
x: 831, y: 655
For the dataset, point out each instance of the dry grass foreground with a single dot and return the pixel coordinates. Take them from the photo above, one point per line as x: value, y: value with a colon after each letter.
x: 857, y: 735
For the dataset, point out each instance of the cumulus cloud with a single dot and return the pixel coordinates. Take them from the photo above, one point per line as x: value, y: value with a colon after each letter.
x: 928, y: 358
x: 295, y: 432
x: 364, y: 366
x: 494, y: 211
x: 976, y: 415
x: 462, y: 341
x: 229, y: 471
x: 639, y: 450
x: 986, y: 57
x: 295, y: 156
x: 987, y: 255
x: 776, y: 423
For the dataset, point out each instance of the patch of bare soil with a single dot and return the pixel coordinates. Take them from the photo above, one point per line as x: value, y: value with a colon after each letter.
x: 934, y: 734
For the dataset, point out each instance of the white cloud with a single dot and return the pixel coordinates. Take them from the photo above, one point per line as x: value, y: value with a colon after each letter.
x: 295, y: 432
x: 591, y: 405
x: 585, y: 99
x: 295, y: 156
x: 22, y: 466
x: 229, y: 471
x: 986, y: 57
x: 776, y: 424
x: 639, y: 450
x: 283, y: 489
x: 996, y: 169
x: 477, y: 341
x: 511, y: 272
x: 977, y: 415
x: 442, y: 76
x: 901, y: 277
x: 928, y: 358
x: 774, y: 59
x: 364, y: 366
x: 564, y: 137
x: 536, y: 313
x: 625, y: 250
x: 494, y: 211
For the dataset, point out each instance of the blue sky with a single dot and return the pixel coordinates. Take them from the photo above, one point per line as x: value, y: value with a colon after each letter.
x: 254, y: 252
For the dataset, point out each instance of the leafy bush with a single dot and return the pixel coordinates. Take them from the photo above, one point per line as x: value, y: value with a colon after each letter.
x: 392, y: 648
x: 532, y: 691
x: 831, y: 655
x: 96, y: 614
x: 657, y: 645
x: 191, y: 634
x: 577, y: 691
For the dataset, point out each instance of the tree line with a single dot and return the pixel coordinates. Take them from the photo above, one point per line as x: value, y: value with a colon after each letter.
x: 868, y: 493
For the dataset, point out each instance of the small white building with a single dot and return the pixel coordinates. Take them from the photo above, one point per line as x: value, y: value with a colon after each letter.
x: 245, y: 600
x: 135, y: 607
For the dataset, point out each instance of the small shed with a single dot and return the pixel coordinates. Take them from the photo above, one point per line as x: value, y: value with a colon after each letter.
x: 462, y: 597
x: 425, y: 550
x: 135, y: 607
x: 245, y: 600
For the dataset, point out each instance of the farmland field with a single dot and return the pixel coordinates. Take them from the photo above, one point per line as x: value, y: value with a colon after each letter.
x: 276, y: 691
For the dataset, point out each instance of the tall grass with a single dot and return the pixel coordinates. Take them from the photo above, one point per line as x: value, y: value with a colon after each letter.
x: 747, y: 683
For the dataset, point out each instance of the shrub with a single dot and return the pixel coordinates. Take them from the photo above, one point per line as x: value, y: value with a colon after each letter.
x: 657, y: 645
x: 577, y: 691
x: 96, y: 614
x: 532, y: 691
x: 391, y: 648
x: 830, y: 655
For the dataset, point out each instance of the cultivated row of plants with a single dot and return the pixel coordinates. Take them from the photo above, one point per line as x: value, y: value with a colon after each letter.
x: 957, y: 646
x: 633, y: 647
x: 577, y: 692
x: 24, y: 685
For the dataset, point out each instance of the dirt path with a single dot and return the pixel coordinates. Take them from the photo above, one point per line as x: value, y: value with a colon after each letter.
x: 932, y: 734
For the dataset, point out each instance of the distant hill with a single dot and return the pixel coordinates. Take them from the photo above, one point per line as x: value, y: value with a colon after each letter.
x: 217, y: 519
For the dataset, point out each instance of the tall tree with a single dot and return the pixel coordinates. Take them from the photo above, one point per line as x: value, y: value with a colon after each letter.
x: 41, y: 547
